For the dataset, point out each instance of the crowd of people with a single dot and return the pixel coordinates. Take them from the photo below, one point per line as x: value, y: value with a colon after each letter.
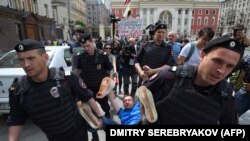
x: 181, y: 81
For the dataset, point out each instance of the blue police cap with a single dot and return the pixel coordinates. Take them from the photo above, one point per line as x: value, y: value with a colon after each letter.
x: 84, y: 37
x: 28, y: 44
x: 160, y: 26
x: 224, y: 42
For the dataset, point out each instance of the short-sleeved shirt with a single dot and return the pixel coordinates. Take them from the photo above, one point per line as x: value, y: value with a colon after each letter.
x: 195, y: 57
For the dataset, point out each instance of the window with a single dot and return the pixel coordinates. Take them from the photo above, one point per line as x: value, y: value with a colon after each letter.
x: 144, y: 11
x: 207, y: 12
x: 185, y: 22
x: 179, y: 21
x: 35, y: 6
x: 41, y: 33
x: 179, y: 11
x: 186, y: 12
x: 193, y: 12
x: 199, y: 21
x: 206, y: 21
x: 213, y: 21
x: 46, y: 10
x: 19, y: 32
x: 214, y: 12
x: 199, y: 12
x: 151, y: 11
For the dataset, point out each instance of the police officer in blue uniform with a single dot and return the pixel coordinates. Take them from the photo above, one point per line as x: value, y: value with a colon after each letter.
x: 198, y: 94
x: 93, y: 65
x: 47, y: 96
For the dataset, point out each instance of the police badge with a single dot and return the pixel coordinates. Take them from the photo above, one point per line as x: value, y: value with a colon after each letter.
x: 98, y: 66
x: 54, y: 92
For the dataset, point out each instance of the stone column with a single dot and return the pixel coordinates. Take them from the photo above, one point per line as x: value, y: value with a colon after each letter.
x: 141, y: 13
x: 189, y: 21
x: 182, y: 20
x: 175, y: 19
x: 148, y: 16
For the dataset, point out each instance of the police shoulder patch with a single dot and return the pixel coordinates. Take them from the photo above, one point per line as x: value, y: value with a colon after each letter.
x: 67, y: 73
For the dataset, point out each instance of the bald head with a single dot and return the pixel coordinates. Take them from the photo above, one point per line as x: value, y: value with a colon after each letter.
x: 172, y: 36
x: 131, y: 41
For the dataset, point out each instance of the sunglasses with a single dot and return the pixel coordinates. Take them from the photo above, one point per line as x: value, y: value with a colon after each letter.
x: 108, y: 48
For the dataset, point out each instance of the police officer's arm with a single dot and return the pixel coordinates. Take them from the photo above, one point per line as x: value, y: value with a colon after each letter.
x: 164, y: 79
x: 14, y: 132
x: 17, y: 116
x: 91, y: 102
x: 150, y: 71
x: 138, y: 59
x: 84, y: 94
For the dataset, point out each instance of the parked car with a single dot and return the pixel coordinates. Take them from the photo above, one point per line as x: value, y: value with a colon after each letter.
x: 10, y: 68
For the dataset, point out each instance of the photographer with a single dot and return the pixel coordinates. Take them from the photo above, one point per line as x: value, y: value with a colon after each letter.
x: 128, y: 54
x: 242, y: 97
x: 239, y: 34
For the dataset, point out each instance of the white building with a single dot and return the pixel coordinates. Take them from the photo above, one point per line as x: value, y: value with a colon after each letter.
x: 233, y: 12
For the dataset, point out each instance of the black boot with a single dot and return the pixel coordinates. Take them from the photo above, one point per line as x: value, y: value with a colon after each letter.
x: 95, y: 136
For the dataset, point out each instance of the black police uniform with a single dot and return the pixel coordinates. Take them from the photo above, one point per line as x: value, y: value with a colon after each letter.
x: 93, y: 69
x: 180, y: 101
x: 51, y: 104
x: 154, y: 55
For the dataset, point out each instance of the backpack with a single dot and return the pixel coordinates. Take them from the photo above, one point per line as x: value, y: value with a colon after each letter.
x: 191, y: 51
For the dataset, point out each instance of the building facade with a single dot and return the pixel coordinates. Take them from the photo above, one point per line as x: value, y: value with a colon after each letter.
x: 181, y: 16
x: 60, y: 15
x: 21, y: 19
x: 97, y: 14
x: 234, y: 12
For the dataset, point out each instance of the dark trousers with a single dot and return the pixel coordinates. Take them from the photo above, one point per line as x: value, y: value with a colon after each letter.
x: 103, y: 102
x: 134, y: 79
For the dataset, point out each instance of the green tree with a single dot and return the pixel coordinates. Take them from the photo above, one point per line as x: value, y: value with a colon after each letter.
x: 80, y: 23
x: 107, y: 31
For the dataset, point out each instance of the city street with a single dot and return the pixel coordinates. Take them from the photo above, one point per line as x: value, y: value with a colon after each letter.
x: 33, y: 133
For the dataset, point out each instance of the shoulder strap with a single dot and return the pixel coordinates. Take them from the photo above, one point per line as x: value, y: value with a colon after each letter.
x: 191, y: 51
x: 225, y: 89
x: 183, y: 72
x: 58, y: 74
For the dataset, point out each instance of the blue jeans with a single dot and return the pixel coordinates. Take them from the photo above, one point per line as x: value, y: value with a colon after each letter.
x: 242, y: 100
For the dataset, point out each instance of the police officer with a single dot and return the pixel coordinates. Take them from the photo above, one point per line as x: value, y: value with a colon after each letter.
x: 48, y: 97
x: 153, y: 56
x: 93, y: 65
x: 198, y: 94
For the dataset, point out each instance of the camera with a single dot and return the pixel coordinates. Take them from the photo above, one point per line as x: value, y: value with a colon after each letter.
x: 236, y: 28
x: 245, y: 66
